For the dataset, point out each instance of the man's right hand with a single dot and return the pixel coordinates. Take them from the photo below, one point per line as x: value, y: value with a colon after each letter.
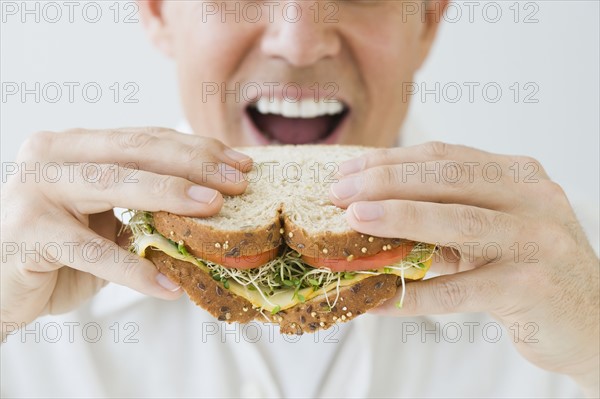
x: 60, y: 241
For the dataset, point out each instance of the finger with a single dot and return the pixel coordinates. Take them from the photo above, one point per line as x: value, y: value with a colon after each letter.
x: 202, y: 160
x: 450, y: 260
x: 478, y: 233
x: 68, y: 243
x: 436, y: 151
x: 100, y: 188
x: 432, y: 181
x: 478, y: 290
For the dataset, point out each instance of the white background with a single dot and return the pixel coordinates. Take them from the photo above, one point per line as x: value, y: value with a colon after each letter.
x: 559, y: 54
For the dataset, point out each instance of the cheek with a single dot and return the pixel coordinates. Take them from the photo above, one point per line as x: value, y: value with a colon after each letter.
x: 395, y: 56
x: 385, y: 46
x: 207, y: 56
x: 209, y: 52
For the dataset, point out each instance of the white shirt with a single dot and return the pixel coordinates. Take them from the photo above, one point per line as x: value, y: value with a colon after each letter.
x: 147, y: 347
x: 124, y: 344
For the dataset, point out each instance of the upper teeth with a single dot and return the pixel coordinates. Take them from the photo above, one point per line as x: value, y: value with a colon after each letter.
x: 307, y: 108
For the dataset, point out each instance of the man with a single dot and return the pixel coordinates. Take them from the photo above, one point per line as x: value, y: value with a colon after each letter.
x: 359, y: 64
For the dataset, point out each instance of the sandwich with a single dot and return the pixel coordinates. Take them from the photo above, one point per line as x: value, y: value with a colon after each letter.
x: 281, y: 252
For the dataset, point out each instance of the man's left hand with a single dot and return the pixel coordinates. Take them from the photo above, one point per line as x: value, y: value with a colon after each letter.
x: 510, y: 245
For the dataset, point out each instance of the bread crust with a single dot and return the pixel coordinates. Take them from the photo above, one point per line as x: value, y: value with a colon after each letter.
x: 353, y: 300
x: 311, y: 316
x: 328, y: 245
x: 201, y: 240
x: 203, y: 290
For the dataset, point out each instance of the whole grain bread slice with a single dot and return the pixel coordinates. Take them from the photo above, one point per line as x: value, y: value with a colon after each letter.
x: 313, y: 315
x: 286, y: 199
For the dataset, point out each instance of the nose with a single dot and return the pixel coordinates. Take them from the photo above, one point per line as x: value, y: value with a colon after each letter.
x: 300, y: 34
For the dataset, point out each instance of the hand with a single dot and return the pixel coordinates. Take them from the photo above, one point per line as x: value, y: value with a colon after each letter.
x: 510, y: 244
x: 59, y: 233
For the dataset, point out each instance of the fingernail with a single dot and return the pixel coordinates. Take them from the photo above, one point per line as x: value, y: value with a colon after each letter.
x: 202, y: 194
x: 347, y: 187
x: 367, y: 211
x: 352, y: 166
x: 230, y: 174
x: 236, y: 156
x: 167, y: 284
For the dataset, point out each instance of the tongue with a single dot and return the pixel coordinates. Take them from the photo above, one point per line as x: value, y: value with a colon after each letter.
x: 293, y: 130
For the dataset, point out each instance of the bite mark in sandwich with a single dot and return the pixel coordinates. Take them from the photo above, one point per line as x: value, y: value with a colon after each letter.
x: 281, y: 251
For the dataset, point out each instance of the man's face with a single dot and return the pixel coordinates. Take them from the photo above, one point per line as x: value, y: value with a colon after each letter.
x: 254, y: 73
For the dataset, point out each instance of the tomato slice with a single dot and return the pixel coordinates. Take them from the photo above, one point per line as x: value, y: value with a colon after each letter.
x: 382, y: 259
x: 243, y: 262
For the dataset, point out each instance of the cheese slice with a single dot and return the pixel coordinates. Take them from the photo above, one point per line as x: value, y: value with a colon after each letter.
x: 284, y: 298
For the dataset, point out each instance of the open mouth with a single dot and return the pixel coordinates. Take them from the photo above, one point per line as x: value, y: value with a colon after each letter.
x: 300, y: 122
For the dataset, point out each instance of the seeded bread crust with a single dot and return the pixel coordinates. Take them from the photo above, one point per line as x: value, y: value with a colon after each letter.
x: 201, y: 240
x: 306, y: 317
x: 353, y: 301
x: 203, y: 290
x: 328, y: 245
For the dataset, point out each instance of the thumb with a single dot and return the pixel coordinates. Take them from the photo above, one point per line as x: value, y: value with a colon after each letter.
x: 477, y: 290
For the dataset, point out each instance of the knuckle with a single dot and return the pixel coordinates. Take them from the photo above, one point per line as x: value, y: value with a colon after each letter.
x: 383, y: 176
x: 214, y: 143
x: 106, y: 177
x: 534, y: 275
x: 129, y: 269
x: 162, y: 186
x: 98, y: 176
x: 156, y: 130
x: 384, y: 154
x: 195, y: 153
x: 103, y: 247
x: 133, y: 140
x: 410, y: 214
x: 36, y: 145
x: 470, y: 222
x: 560, y: 239
x: 392, y: 177
x: 529, y: 166
x: 436, y: 149
x: 526, y: 160
x: 97, y: 251
x: 503, y: 223
x: 450, y: 294
x: 148, y: 130
x: 455, y: 175
x: 208, y: 142
x: 553, y: 191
